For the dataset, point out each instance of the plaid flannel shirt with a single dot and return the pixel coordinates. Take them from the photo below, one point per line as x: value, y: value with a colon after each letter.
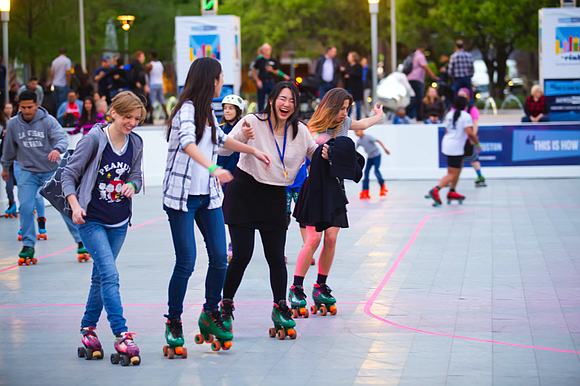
x: 461, y: 64
x: 179, y: 167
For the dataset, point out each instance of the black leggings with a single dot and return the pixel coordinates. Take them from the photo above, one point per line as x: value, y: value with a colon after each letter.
x: 243, y: 248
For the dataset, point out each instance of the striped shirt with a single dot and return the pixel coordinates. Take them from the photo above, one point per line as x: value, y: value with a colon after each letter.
x: 461, y: 64
x: 182, y: 174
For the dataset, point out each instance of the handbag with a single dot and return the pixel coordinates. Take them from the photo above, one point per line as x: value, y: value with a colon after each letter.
x: 52, y: 188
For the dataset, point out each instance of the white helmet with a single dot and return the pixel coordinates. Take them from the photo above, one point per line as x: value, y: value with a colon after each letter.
x: 234, y: 100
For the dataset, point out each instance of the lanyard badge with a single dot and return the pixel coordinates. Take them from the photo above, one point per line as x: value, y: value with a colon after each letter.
x: 281, y: 154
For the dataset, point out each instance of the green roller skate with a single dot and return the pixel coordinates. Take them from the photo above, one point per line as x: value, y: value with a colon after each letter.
x: 283, y: 322
x: 480, y: 182
x: 323, y: 300
x: 26, y: 256
x: 297, y: 299
x: 175, y: 340
x: 227, y: 309
x: 212, y: 330
x: 83, y: 254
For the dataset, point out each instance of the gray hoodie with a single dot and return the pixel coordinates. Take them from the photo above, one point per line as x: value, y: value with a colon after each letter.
x: 31, y: 142
x: 78, y: 167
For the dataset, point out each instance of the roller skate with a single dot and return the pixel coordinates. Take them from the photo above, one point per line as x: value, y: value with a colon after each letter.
x: 26, y: 256
x: 11, y: 211
x: 434, y: 194
x: 323, y: 300
x: 175, y: 339
x: 230, y: 252
x: 83, y: 254
x: 364, y: 195
x: 91, y: 346
x: 384, y: 190
x: 480, y: 182
x: 41, y: 228
x: 297, y: 299
x: 283, y: 322
x: 227, y: 309
x: 20, y: 235
x: 212, y: 330
x: 127, y: 350
x: 454, y: 196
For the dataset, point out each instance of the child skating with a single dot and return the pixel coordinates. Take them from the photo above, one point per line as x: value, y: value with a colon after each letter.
x: 191, y: 193
x: 373, y: 160
x: 101, y: 209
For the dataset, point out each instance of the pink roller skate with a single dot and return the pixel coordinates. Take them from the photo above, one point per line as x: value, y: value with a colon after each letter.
x: 127, y: 350
x: 91, y: 346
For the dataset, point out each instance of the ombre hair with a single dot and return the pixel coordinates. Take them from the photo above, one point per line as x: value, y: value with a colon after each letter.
x: 324, y: 117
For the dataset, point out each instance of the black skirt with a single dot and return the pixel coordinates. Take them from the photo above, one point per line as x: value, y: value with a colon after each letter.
x: 251, y: 204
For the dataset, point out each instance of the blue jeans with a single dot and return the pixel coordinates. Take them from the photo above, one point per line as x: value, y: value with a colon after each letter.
x: 29, y: 185
x: 72, y: 228
x: 60, y: 93
x: 460, y: 83
x: 263, y: 93
x: 212, y: 227
x: 324, y: 88
x: 104, y: 244
x: 38, y: 200
x: 376, y: 162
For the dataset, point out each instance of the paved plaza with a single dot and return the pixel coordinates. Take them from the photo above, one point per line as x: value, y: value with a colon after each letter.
x: 486, y: 293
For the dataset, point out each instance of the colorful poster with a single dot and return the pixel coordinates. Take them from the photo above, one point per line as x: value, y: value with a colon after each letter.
x: 204, y: 46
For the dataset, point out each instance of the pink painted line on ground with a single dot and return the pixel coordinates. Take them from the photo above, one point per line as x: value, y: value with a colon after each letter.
x: 142, y: 305
x: 74, y: 246
x: 374, y: 296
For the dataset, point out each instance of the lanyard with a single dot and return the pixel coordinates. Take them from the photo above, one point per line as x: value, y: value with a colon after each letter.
x: 280, y: 154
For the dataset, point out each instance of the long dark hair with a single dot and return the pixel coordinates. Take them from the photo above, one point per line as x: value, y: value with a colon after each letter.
x: 199, y: 89
x: 459, y: 105
x: 85, y: 118
x: 324, y: 117
x: 268, y: 111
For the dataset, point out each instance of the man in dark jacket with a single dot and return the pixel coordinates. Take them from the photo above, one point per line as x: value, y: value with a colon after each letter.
x: 327, y: 71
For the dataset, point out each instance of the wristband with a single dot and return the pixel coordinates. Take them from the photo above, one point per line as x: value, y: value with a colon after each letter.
x: 281, y: 73
x: 213, y: 167
x: 133, y: 185
x: 479, y: 145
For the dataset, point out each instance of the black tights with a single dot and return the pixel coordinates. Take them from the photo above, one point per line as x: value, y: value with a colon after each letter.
x: 243, y: 248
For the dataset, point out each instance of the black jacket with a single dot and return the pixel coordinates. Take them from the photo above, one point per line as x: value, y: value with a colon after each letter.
x: 354, y: 82
x: 322, y: 197
x: 318, y: 72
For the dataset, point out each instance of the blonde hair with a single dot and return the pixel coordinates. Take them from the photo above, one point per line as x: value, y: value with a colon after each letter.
x: 535, y: 88
x: 125, y: 102
x: 355, y: 56
x: 324, y: 117
x: 427, y: 100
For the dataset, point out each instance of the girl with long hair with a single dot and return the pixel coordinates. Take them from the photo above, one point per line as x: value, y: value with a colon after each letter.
x: 458, y: 124
x: 191, y: 193
x: 256, y: 198
x: 89, y: 116
x: 101, y: 209
x: 432, y: 107
x: 330, y: 120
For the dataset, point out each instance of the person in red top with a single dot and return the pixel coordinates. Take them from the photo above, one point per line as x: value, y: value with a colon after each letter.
x: 70, y: 111
x: 536, y: 108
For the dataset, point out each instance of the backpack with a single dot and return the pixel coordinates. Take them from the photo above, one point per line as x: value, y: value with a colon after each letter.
x: 408, y: 64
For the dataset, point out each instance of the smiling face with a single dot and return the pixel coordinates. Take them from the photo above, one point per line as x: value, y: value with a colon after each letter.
x: 218, y: 85
x: 126, y: 123
x: 343, y: 111
x: 284, y: 105
x: 88, y: 105
x: 230, y: 112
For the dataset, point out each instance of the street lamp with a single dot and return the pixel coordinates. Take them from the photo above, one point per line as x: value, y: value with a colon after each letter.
x: 126, y: 23
x: 393, y: 38
x: 82, y: 27
x: 5, y: 11
x: 374, y: 10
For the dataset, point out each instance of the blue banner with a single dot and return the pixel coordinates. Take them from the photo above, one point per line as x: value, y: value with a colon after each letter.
x: 526, y: 145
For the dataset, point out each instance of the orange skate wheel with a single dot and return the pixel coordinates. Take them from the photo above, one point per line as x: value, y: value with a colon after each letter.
x: 209, y: 339
x: 215, y: 345
x: 294, y: 313
x: 293, y: 335
x: 313, y: 310
x: 16, y: 215
x: 323, y: 310
x: 305, y: 313
x: 37, y: 237
x: 165, y: 350
x: 170, y: 353
x: 227, y: 345
x: 333, y: 310
x: 199, y: 339
x: 21, y: 261
x: 80, y: 258
x: 184, y: 354
x: 19, y: 237
x: 272, y: 332
x: 33, y: 260
x: 179, y: 350
x: 281, y: 335
x: 290, y: 332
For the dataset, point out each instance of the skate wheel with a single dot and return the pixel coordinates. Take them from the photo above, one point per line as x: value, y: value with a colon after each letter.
x: 99, y: 354
x: 461, y: 202
x: 313, y: 310
x: 199, y: 339
x: 27, y: 261
x: 34, y: 260
x: 179, y: 350
x: 209, y: 339
x: 170, y: 353
x: 305, y: 315
x: 227, y: 345
x: 323, y: 310
x: 281, y: 334
x: 21, y: 261
x: 16, y: 215
x: 294, y: 313
x: 81, y: 352
x: 292, y: 335
x: 88, y: 354
x: 19, y: 237
x: 272, y: 332
x: 215, y: 345
x: 80, y: 258
x: 124, y: 360
x: 37, y: 237
x: 165, y: 349
x: 115, y: 358
x: 333, y: 310
x: 136, y: 360
x: 184, y: 353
